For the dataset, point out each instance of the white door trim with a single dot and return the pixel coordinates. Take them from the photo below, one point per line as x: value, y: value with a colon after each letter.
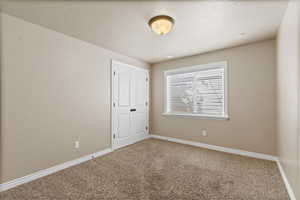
x: 141, y: 137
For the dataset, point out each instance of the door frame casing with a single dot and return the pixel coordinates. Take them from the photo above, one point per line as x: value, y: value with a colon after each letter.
x: 112, y: 112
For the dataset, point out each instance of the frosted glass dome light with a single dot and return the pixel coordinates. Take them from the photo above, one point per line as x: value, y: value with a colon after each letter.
x: 161, y: 24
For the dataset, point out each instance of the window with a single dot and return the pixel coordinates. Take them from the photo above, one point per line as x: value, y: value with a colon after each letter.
x: 198, y: 91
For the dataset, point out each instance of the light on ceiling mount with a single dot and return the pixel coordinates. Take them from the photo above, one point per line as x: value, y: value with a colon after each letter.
x: 161, y: 24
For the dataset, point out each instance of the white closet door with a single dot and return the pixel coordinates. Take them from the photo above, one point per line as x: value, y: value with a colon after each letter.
x: 140, y: 102
x: 130, y: 93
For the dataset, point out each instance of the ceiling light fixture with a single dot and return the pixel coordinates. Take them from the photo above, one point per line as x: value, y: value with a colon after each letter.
x: 161, y: 24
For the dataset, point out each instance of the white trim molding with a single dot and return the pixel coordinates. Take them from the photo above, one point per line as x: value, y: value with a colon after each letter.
x: 45, y: 172
x: 189, y: 115
x: 238, y: 152
x: 135, y: 139
x: 223, y: 65
x: 286, y: 181
x: 219, y: 148
x: 51, y: 170
x: 116, y: 142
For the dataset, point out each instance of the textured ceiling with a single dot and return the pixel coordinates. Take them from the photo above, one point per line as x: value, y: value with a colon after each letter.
x: 121, y: 26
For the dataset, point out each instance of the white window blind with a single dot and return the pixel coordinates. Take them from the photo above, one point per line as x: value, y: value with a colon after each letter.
x: 197, y: 91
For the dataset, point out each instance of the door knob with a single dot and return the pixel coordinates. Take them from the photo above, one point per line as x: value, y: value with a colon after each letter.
x: 132, y: 110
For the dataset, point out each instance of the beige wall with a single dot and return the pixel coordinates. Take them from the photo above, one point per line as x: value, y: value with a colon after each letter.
x: 288, y: 80
x: 55, y: 91
x: 252, y: 100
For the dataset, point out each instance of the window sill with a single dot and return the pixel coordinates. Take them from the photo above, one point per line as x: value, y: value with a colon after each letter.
x: 186, y: 115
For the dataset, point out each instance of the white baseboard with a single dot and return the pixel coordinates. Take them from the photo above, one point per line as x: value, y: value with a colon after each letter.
x: 219, y: 148
x: 286, y: 181
x: 51, y: 170
x: 45, y: 172
x: 238, y: 152
x: 134, y: 140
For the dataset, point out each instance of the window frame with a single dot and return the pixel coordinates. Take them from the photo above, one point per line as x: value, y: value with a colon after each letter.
x: 203, y: 67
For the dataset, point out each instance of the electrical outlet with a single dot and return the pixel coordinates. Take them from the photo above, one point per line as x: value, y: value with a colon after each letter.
x: 76, y: 144
x: 204, y: 133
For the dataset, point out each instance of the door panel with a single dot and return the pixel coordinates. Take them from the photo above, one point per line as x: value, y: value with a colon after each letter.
x: 124, y: 85
x: 124, y: 125
x: 129, y: 104
x: 140, y: 88
x: 139, y: 123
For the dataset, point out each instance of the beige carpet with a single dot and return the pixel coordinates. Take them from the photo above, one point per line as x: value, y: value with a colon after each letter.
x: 159, y: 170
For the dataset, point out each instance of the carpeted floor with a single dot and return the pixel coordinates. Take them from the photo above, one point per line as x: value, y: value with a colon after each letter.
x: 159, y: 170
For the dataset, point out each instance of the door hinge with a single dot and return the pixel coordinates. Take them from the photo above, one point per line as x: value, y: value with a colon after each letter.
x: 146, y: 128
x: 114, y: 73
x: 146, y: 103
x: 114, y: 104
x: 114, y: 136
x: 147, y: 79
